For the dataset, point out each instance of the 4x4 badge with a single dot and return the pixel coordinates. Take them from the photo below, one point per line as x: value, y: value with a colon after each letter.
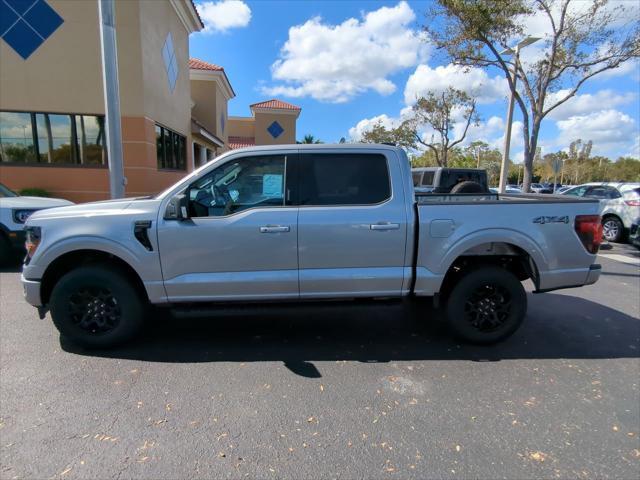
x: 543, y: 220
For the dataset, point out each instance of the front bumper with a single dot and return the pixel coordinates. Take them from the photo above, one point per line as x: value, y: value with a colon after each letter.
x: 31, y: 289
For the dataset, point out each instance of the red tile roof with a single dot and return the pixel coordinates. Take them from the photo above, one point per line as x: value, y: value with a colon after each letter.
x: 274, y: 103
x: 198, y: 64
x: 241, y: 142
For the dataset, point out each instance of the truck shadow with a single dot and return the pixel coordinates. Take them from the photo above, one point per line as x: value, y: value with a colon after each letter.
x: 557, y: 326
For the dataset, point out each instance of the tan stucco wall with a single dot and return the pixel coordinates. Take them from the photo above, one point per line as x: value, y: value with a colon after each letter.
x: 286, y: 121
x: 221, y: 110
x: 203, y: 93
x: 171, y: 109
x: 241, y: 127
x: 65, y: 75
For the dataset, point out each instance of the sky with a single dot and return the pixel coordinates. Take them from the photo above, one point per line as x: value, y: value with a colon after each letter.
x: 350, y: 64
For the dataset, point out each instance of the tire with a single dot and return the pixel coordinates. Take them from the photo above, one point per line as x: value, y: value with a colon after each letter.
x: 118, y: 306
x: 468, y: 187
x: 612, y: 229
x: 469, y: 307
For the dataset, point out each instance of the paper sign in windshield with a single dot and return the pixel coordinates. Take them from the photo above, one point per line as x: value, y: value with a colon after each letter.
x: 272, y: 185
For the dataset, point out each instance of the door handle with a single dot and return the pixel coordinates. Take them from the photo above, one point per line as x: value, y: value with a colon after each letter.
x: 275, y: 229
x: 384, y: 226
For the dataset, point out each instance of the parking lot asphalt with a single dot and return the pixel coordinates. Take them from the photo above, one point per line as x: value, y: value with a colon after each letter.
x: 366, y: 392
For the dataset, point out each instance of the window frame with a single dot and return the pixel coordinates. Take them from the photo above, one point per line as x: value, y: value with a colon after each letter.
x: 74, y: 147
x: 171, y: 144
x: 296, y: 192
x: 288, y: 189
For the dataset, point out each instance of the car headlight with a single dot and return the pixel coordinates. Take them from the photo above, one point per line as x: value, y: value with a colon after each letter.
x: 32, y: 240
x: 21, y: 216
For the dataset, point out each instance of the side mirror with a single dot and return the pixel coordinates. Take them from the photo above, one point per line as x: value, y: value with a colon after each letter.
x: 177, y: 208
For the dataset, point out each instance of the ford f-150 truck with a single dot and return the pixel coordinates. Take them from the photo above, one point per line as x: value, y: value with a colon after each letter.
x: 294, y: 223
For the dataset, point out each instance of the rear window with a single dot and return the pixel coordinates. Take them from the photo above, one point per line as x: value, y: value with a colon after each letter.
x: 343, y: 179
x: 449, y: 179
x: 417, y: 177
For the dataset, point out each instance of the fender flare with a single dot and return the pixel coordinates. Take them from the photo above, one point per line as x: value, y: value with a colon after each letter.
x: 494, y: 235
x: 86, y: 242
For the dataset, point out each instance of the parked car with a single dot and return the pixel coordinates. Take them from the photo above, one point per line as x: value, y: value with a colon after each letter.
x: 620, y: 205
x: 14, y: 211
x: 539, y: 188
x: 507, y: 189
x: 304, y: 233
x: 634, y: 233
x: 563, y: 189
x: 449, y: 180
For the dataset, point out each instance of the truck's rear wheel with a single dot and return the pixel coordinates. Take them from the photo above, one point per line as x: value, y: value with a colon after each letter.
x: 96, y: 307
x: 486, y: 305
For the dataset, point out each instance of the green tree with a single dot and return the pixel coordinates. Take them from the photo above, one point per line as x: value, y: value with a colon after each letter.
x: 438, y: 111
x: 401, y: 135
x: 309, y: 139
x: 582, y: 43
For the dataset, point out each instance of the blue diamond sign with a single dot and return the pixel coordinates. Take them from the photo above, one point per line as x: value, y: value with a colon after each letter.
x: 26, y: 24
x: 170, y: 62
x: 275, y: 129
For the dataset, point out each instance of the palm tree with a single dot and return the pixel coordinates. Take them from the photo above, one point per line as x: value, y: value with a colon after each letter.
x: 309, y: 139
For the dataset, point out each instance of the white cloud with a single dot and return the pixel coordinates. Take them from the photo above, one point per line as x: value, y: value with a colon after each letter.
x: 474, y: 81
x: 334, y: 63
x: 224, y: 15
x: 611, y: 131
x: 355, y: 133
x: 587, y: 103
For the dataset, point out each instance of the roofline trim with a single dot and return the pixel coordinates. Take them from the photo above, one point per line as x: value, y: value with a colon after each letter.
x: 283, y: 111
x: 188, y: 15
x: 219, y: 76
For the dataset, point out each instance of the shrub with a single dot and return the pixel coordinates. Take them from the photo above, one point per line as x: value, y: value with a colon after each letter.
x: 34, y: 192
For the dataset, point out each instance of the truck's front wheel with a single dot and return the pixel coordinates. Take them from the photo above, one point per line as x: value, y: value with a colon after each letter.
x: 96, y: 307
x: 486, y: 305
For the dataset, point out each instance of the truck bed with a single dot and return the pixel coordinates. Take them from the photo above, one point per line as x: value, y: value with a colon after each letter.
x: 542, y: 226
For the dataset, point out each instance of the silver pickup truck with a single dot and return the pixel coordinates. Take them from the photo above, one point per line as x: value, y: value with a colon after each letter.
x: 298, y: 223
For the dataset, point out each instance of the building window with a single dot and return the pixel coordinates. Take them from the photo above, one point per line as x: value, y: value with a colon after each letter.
x: 171, y: 149
x: 52, y: 139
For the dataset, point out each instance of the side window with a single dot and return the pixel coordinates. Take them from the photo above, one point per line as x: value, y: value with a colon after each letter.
x: 343, y: 179
x: 613, y: 193
x: 416, y: 178
x: 427, y: 179
x: 239, y: 185
x: 576, y: 192
x: 597, y: 192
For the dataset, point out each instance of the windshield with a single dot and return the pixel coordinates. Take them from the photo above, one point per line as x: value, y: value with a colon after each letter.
x: 6, y: 192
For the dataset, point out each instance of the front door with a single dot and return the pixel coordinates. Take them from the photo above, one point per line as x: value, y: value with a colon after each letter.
x: 352, y: 225
x: 240, y: 242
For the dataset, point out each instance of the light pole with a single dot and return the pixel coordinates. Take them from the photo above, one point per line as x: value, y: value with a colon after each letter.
x: 108, y: 46
x: 507, y: 137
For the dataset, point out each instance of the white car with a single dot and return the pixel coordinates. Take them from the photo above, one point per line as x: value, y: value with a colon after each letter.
x: 620, y: 203
x: 14, y: 212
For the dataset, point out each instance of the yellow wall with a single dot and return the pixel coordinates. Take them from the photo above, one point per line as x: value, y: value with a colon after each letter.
x: 171, y: 109
x: 286, y: 121
x: 65, y: 75
x: 241, y: 127
x: 203, y: 93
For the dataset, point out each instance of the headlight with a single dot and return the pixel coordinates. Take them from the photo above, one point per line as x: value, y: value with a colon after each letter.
x: 21, y: 216
x: 33, y: 237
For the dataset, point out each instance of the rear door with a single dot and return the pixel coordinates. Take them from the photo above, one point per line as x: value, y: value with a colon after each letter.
x: 352, y: 224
